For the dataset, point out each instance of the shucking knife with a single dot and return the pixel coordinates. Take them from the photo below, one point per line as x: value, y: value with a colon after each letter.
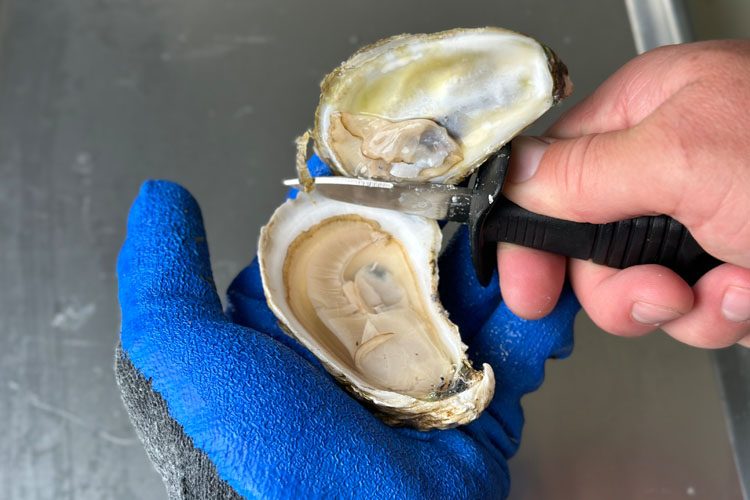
x: 492, y: 218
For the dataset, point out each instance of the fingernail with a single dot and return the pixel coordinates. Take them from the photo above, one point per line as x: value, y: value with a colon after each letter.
x: 651, y: 314
x: 736, y: 304
x: 525, y: 156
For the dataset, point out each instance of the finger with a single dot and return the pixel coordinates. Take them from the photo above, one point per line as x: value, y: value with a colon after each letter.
x: 720, y: 316
x: 623, y: 152
x: 632, y: 301
x: 531, y: 280
x: 163, y: 270
x: 595, y: 178
x: 468, y: 303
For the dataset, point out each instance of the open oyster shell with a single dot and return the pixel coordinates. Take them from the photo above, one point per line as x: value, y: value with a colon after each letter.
x: 432, y: 108
x: 357, y: 286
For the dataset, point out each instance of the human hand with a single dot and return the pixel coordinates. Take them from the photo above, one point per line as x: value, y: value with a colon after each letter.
x: 666, y: 134
x: 228, y: 406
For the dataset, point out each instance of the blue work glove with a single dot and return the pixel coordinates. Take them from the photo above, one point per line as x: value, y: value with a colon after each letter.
x: 230, y: 407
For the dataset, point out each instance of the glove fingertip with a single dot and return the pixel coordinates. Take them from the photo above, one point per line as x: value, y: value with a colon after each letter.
x: 165, y: 258
x: 161, y: 189
x: 317, y: 167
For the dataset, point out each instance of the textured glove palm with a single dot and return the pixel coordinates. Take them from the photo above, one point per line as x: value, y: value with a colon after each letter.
x: 228, y: 406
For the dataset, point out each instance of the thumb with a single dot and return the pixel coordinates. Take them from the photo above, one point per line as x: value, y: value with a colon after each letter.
x: 594, y: 178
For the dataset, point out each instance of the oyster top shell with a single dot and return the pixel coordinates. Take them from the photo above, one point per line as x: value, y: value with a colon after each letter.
x: 358, y: 287
x: 432, y: 108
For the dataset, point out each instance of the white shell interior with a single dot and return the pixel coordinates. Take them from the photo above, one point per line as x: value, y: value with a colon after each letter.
x: 484, y: 86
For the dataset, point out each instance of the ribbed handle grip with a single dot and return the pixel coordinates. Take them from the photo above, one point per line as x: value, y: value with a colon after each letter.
x: 644, y: 240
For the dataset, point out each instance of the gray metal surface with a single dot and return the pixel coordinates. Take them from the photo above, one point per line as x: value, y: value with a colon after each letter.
x: 658, y: 22
x: 625, y: 419
x: 98, y: 95
x: 733, y: 368
x: 664, y: 22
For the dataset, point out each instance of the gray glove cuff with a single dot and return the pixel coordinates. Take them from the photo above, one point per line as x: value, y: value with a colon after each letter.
x: 187, y: 472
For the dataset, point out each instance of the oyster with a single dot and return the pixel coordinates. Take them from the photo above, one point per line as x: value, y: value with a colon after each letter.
x: 432, y: 108
x: 357, y: 286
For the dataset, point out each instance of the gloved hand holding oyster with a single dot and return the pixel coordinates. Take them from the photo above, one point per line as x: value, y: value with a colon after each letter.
x: 229, y: 406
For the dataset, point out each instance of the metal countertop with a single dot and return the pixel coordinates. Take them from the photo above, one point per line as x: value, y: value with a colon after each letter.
x: 98, y: 95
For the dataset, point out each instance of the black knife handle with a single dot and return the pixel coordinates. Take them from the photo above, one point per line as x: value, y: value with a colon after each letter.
x: 643, y: 240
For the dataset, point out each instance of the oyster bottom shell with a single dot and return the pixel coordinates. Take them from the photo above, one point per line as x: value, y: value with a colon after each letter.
x: 357, y: 286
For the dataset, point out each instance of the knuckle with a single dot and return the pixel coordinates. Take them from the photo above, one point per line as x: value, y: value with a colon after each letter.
x: 580, y: 164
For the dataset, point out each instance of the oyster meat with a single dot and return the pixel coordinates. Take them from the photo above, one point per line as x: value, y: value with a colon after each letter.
x: 358, y: 287
x: 432, y: 108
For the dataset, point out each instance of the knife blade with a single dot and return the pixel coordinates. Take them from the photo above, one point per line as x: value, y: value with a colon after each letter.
x: 434, y: 201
